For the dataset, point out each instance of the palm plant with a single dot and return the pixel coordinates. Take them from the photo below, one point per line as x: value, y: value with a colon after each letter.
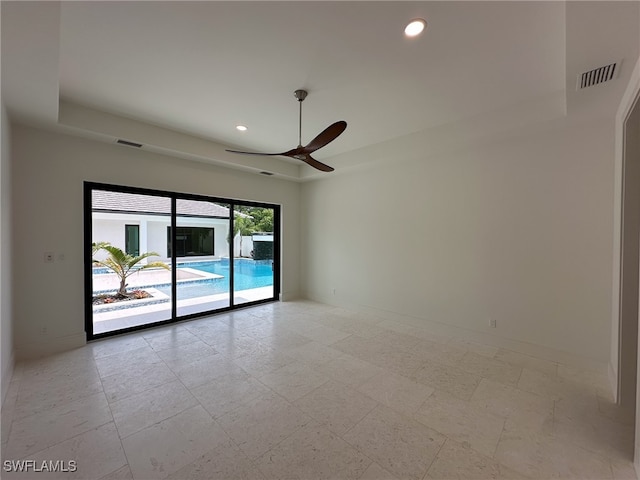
x: 123, y: 264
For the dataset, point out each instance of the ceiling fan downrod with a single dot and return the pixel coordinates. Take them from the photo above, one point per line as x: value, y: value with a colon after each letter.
x: 300, y: 95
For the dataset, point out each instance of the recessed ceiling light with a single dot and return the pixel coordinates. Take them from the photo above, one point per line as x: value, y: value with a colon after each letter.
x: 415, y: 27
x: 242, y: 128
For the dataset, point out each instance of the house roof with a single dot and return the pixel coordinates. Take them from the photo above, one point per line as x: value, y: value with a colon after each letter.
x: 107, y: 201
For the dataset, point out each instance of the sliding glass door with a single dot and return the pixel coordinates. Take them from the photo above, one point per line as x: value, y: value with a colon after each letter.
x: 130, y: 269
x: 157, y: 257
x: 254, y: 248
x: 202, y: 254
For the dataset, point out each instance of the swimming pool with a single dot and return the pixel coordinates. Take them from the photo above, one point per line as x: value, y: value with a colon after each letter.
x: 248, y: 274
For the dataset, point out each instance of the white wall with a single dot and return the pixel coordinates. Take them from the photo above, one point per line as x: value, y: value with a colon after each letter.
x: 106, y: 230
x: 48, y: 174
x: 626, y: 104
x: 6, y: 264
x: 517, y: 230
x: 247, y: 246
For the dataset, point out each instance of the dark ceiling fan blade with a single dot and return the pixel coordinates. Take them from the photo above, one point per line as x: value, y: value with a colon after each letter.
x: 257, y: 153
x: 328, y: 135
x: 312, y: 162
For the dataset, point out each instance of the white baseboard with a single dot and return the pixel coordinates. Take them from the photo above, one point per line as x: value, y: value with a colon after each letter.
x: 289, y: 296
x: 477, y: 336
x: 613, y: 382
x: 50, y: 346
x: 7, y: 375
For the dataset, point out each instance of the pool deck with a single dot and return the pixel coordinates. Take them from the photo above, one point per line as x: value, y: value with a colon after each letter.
x: 143, y: 313
x: 150, y: 277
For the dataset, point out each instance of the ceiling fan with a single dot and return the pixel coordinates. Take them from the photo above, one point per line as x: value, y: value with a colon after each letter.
x: 328, y: 135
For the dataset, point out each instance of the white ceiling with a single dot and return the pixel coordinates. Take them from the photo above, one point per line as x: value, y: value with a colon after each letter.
x: 201, y: 68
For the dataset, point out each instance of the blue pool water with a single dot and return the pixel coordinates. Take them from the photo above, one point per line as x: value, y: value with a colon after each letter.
x: 248, y: 274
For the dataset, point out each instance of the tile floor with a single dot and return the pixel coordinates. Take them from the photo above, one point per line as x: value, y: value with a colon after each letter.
x: 300, y: 390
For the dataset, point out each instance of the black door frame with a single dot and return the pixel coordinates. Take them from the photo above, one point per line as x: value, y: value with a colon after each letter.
x: 174, y: 196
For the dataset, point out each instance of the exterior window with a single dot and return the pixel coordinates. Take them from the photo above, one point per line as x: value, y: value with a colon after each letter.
x: 132, y: 239
x: 191, y: 241
x: 222, y: 254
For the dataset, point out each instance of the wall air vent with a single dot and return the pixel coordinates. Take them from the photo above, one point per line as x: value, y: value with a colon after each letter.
x: 128, y: 144
x: 598, y: 75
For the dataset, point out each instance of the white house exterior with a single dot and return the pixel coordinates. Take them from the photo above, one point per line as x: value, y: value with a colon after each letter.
x: 150, y: 217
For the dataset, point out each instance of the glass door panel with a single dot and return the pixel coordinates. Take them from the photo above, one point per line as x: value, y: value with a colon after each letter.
x: 254, y: 251
x: 202, y: 256
x: 131, y: 273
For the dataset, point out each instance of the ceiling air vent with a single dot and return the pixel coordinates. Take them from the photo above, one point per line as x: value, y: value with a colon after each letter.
x: 128, y: 143
x: 597, y: 75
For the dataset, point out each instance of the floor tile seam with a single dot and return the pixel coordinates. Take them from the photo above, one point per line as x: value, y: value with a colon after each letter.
x: 460, y: 367
x: 255, y: 459
x: 155, y: 385
x: 521, y: 390
x: 197, y: 329
x: 102, y: 377
x: 433, y: 461
x: 448, y: 365
x: 179, y: 345
x: 493, y: 379
x: 5, y: 444
x: 122, y: 439
x: 292, y: 402
x: 115, y: 425
x: 95, y: 427
x: 10, y: 405
x: 613, y: 475
x: 197, y: 403
x: 364, y: 454
x: 555, y: 364
x: 62, y: 403
x: 495, y: 450
x: 447, y: 392
x: 200, y: 385
x: 60, y: 379
x: 376, y: 404
x: 161, y: 349
x: 18, y: 385
x: 175, y: 367
x: 409, y: 418
x: 12, y: 416
x: 375, y: 407
x: 214, y: 380
x: 416, y: 419
x: 142, y: 365
x: 280, y: 396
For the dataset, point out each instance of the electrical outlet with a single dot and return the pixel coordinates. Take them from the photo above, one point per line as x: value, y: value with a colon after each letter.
x: 492, y: 323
